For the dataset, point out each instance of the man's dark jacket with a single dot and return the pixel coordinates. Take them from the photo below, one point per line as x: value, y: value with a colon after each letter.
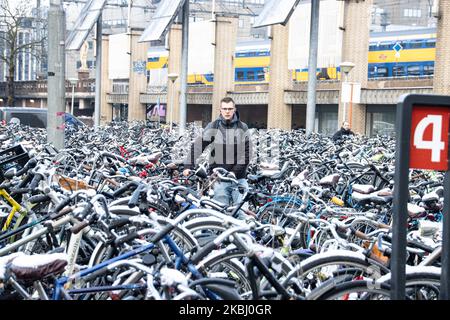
x: 231, y: 146
x: 342, y: 132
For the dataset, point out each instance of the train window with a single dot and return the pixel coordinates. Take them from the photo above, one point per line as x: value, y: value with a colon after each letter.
x: 413, y: 70
x: 381, y: 72
x: 415, y: 44
x: 431, y: 43
x: 398, y: 71
x: 428, y: 70
x: 240, y: 76
x: 250, y: 75
x: 260, y: 75
x: 385, y: 46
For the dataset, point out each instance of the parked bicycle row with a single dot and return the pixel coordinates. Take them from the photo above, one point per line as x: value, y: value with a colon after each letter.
x: 116, y: 215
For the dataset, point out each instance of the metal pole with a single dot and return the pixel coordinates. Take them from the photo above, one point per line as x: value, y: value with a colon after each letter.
x: 171, y: 105
x: 184, y: 68
x: 130, y: 4
x: 56, y: 89
x: 159, y: 116
x: 399, y: 208
x: 345, y: 103
x: 39, y: 38
x: 350, y: 109
x: 98, y: 73
x: 73, y: 98
x: 312, y: 66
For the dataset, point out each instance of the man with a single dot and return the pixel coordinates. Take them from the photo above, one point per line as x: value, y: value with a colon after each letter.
x: 231, y: 151
x: 344, y: 131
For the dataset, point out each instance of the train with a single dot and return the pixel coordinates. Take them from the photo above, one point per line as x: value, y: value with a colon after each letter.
x: 407, y: 53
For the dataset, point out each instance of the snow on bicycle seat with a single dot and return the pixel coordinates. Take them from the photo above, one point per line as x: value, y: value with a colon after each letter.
x: 415, y: 210
x: 360, y: 197
x: 330, y: 180
x: 380, y: 197
x: 432, y: 196
x: 38, y: 266
x: 269, y: 173
x: 268, y: 166
x: 146, y: 159
x: 363, y: 188
x: 7, y: 259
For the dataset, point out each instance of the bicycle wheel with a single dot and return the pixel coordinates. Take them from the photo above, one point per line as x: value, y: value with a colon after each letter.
x: 422, y: 283
x: 356, y: 290
x: 339, y: 265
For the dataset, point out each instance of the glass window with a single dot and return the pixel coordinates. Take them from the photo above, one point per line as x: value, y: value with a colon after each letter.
x: 260, y: 75
x: 250, y: 75
x: 431, y: 43
x: 381, y: 120
x: 428, y: 70
x: 398, y: 71
x: 240, y: 76
x: 381, y: 72
x: 415, y: 44
x: 30, y: 119
x: 327, y: 122
x: 413, y: 70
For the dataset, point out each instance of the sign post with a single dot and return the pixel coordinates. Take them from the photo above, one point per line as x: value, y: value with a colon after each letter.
x: 422, y: 143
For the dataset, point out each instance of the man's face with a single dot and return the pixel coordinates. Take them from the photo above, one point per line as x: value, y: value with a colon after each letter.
x: 346, y: 125
x: 227, y: 110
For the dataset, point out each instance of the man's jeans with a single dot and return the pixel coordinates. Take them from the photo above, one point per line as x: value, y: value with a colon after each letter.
x: 228, y: 192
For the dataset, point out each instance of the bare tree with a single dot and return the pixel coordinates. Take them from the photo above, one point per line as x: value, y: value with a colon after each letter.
x: 12, y: 21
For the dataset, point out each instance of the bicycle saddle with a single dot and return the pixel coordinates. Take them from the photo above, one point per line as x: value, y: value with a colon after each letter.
x: 330, y: 180
x: 36, y: 267
x: 363, y: 188
x: 433, y: 195
x: 379, y: 197
x: 7, y: 259
x: 415, y: 210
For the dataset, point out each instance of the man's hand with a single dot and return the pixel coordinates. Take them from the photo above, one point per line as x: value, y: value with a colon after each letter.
x: 186, y: 172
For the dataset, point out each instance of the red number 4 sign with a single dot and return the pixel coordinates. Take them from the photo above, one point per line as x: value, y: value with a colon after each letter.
x: 429, y: 138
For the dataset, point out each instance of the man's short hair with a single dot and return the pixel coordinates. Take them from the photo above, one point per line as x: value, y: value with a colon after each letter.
x: 227, y: 100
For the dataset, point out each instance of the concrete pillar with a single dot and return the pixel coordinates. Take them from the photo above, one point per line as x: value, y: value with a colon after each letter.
x: 225, y: 43
x: 279, y: 114
x: 355, y: 47
x: 105, y: 108
x: 138, y: 78
x: 174, y: 66
x: 441, y: 82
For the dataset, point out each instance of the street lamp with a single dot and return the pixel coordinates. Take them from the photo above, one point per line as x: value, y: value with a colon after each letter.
x: 346, y: 67
x: 172, y: 77
x: 73, y: 82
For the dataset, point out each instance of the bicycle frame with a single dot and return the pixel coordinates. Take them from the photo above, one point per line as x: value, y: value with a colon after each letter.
x: 61, y: 282
x: 16, y: 207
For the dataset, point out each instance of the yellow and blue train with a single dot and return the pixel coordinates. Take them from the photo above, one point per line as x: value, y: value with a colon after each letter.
x: 391, y: 54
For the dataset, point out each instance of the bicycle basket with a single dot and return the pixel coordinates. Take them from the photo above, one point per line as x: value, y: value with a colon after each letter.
x: 14, y: 157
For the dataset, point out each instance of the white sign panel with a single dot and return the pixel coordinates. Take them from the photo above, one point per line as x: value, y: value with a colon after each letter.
x: 330, y: 36
x: 119, y: 59
x: 201, y: 50
x: 351, y: 92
